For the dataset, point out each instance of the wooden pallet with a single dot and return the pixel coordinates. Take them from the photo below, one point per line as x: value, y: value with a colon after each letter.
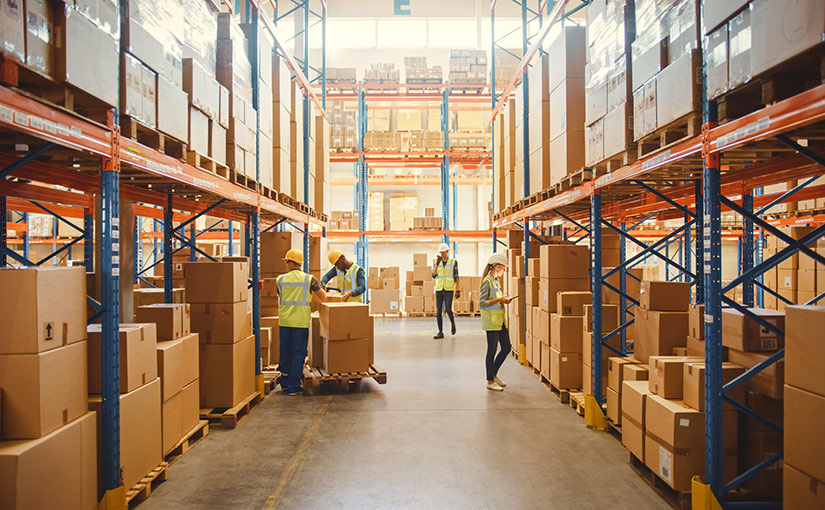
x: 681, y: 129
x: 577, y: 402
x: 193, y: 437
x: 387, y: 315
x: 576, y: 179
x: 615, y: 162
x: 143, y: 489
x: 152, y: 138
x: 315, y: 377
x: 679, y: 500
x: 614, y: 429
x: 197, y: 159
x: 562, y: 395
x: 228, y: 418
x: 286, y: 200
x: 271, y: 377
x: 414, y: 315
x: 242, y: 180
x: 803, y: 72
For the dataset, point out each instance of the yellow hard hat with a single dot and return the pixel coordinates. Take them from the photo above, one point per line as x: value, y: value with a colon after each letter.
x: 334, y: 255
x: 295, y: 256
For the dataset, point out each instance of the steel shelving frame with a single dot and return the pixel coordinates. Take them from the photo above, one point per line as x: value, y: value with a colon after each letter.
x: 115, y: 168
x: 725, y: 167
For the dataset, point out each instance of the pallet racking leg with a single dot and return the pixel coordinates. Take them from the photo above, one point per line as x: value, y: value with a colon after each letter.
x: 167, y: 248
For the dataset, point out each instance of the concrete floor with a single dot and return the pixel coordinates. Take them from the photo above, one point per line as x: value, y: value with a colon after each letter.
x: 432, y: 437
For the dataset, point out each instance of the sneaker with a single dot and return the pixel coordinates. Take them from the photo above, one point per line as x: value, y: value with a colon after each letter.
x: 499, y: 382
x: 440, y: 335
x: 454, y: 330
x: 494, y: 386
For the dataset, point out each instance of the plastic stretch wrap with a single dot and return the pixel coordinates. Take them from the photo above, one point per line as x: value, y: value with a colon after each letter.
x: 608, y: 34
x: 674, y: 20
x: 200, y: 33
x: 162, y: 20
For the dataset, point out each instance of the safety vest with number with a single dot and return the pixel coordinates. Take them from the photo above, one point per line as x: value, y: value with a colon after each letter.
x: 295, y: 299
x: 493, y: 316
x: 444, y: 275
x: 347, y: 282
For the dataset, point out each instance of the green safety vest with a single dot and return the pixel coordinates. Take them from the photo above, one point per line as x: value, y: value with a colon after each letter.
x: 493, y: 317
x: 444, y: 275
x: 295, y: 299
x: 347, y: 282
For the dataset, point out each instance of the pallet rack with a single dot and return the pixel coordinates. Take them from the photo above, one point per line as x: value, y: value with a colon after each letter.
x: 93, y: 159
x: 725, y: 167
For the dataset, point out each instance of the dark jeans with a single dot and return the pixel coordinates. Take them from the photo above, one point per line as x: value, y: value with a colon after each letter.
x: 494, y: 362
x: 443, y: 299
x: 293, y: 352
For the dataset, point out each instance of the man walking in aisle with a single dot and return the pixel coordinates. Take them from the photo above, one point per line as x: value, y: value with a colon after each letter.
x: 295, y: 291
x: 350, y: 277
x: 445, y: 272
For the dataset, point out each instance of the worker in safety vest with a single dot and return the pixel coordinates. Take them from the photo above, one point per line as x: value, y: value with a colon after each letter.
x: 349, y: 276
x: 295, y: 291
x: 491, y: 300
x: 445, y: 272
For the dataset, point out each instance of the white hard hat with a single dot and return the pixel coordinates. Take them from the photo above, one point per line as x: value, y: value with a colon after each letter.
x: 443, y: 247
x: 497, y: 258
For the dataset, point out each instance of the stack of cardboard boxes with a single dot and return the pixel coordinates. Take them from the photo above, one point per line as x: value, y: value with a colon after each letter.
x: 342, y: 127
x: 620, y: 370
x: 610, y: 321
x: 177, y: 367
x: 46, y: 430
x: 798, y: 278
x: 465, y: 299
x: 468, y: 67
x: 346, y: 330
x: 566, y: 347
x: 281, y: 115
x: 427, y: 140
x: 380, y: 72
x: 384, y: 285
x: 382, y: 141
x: 506, y: 65
x: 270, y: 339
x: 427, y: 222
x: 375, y: 209
x: 420, y: 295
x: 416, y: 71
x: 403, y: 208
x: 566, y: 104
x: 662, y: 318
x: 222, y: 318
x: 274, y: 246
x: 343, y: 220
x: 340, y: 75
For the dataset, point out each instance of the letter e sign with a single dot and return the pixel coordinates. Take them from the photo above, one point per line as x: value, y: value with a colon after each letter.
x: 402, y: 7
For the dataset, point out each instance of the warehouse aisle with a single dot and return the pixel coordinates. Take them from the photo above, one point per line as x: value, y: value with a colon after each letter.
x: 432, y: 437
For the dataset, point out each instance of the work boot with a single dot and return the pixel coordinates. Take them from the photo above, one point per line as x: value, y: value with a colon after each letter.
x: 439, y: 335
x: 454, y: 329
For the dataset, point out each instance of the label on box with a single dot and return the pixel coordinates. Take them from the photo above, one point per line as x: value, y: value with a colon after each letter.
x: 393, y: 305
x: 769, y: 344
x: 787, y: 282
x: 665, y: 461
x: 684, y: 422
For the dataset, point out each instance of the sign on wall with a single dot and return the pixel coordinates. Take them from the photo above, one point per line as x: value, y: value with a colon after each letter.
x: 402, y: 8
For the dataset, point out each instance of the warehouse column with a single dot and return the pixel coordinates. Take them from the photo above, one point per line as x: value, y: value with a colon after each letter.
x: 255, y: 218
x: 748, y: 249
x: 128, y: 254
x: 88, y: 240
x: 3, y: 233
x: 593, y: 414
x: 167, y: 248
x: 700, y: 243
x: 622, y: 287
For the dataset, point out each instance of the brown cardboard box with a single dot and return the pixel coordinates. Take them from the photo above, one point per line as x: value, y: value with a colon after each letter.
x: 571, y: 303
x: 532, y: 284
x: 266, y: 347
x: 217, y: 282
x: 805, y: 352
x: 566, y: 333
x: 635, y: 372
x: 610, y: 317
x: 171, y: 411
x: 140, y: 433
x: 545, y: 360
x: 614, y: 406
x: 634, y: 395
x: 170, y: 364
x: 657, y: 333
x: 565, y: 369
x: 693, y: 374
x: 744, y: 334
x: 770, y: 381
x: 759, y: 442
x: 674, y: 441
x: 801, y: 490
x: 172, y: 320
x: 12, y: 26
x: 804, y: 442
x: 42, y: 392
x: 587, y: 351
x: 340, y: 321
x: 697, y: 348
x: 315, y: 349
x: 227, y: 372
x: 420, y: 260
x: 221, y: 323
x: 58, y: 470
x: 386, y: 300
x: 549, y: 287
x: 274, y: 246
x: 615, y: 372
x: 666, y: 375
x: 138, y: 360
x: 665, y: 296
x: 563, y: 261
x: 422, y: 273
x: 696, y: 322
x: 346, y: 355
x: 190, y: 413
x: 414, y: 304
x: 189, y: 358
x: 43, y: 308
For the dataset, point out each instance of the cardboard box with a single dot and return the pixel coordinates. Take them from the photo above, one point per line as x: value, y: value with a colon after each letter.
x: 414, y: 304
x: 614, y: 406
x: 739, y: 32
x: 634, y: 396
x: 696, y: 322
x: 422, y: 273
x: 693, y: 374
x: 666, y: 375
x: 674, y: 441
x: 420, y: 260
x: 803, y: 439
x: 140, y: 433
x: 172, y: 320
x: 635, y: 372
x: 720, y: 10
x: 341, y: 321
x: 532, y: 285
x: 717, y: 44
x: 171, y: 411
x: 58, y: 470
x: 566, y: 333
x: 564, y: 261
x: 221, y: 323
x: 170, y: 364
x: 745, y: 334
x: 770, y: 381
x: 657, y: 333
x: 217, y: 282
x: 347, y: 355
x: 771, y: 24
x: 549, y: 287
x: 679, y: 88
x: 385, y: 301
x: 697, y: 348
x: 610, y: 317
x: 43, y: 308
x: 190, y: 414
x: 86, y: 56
x: 42, y: 392
x: 189, y: 358
x: 801, y: 490
x: 805, y: 352
x: 138, y: 360
x: 665, y: 296
x: 227, y: 373
x: 565, y: 369
x: 570, y: 303
x: 315, y: 349
x: 615, y: 372
x: 545, y: 359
